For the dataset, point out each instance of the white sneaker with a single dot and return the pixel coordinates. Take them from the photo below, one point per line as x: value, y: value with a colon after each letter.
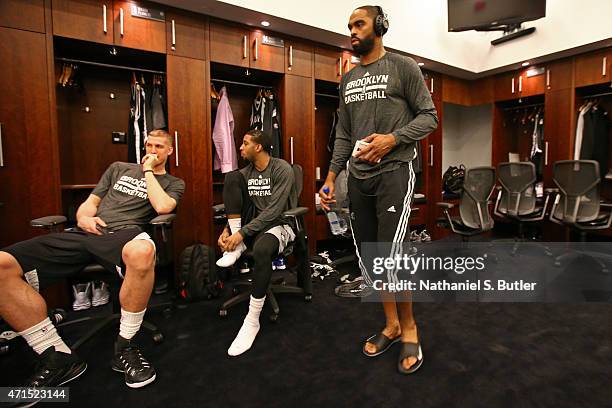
x: 230, y: 258
x: 100, y: 294
x: 82, y: 295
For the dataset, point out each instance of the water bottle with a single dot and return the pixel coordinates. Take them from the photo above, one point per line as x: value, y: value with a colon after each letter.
x: 332, y: 217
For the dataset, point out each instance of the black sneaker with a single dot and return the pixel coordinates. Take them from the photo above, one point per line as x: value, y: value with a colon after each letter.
x: 128, y: 359
x: 55, y: 369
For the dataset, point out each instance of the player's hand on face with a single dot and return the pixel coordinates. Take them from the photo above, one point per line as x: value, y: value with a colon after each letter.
x: 149, y: 161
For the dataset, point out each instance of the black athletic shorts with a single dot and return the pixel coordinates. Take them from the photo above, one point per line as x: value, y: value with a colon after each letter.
x: 50, y: 257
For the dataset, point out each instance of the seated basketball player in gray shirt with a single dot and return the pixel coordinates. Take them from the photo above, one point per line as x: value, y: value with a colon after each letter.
x: 255, y: 198
x: 111, y: 233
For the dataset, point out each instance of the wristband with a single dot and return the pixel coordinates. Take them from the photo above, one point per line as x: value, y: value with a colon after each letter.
x: 145, y: 172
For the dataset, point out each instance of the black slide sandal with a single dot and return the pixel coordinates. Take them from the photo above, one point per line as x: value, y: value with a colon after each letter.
x: 410, y: 350
x: 381, y: 342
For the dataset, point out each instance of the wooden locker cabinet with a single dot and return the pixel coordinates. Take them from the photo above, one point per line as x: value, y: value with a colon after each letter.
x: 328, y: 64
x: 29, y: 175
x: 433, y: 81
x: 229, y: 44
x: 432, y: 170
x: 187, y: 83
x: 559, y: 75
x: 23, y: 14
x: 89, y: 20
x: 235, y: 45
x: 530, y: 86
x: 593, y: 68
x: 186, y: 35
x: 559, y: 129
x: 418, y: 215
x: 299, y: 58
x: 347, y: 62
x: 505, y: 86
x: 266, y: 57
x: 135, y: 32
x: 298, y: 125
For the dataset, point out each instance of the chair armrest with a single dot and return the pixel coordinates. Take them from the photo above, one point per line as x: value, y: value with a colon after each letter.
x: 606, y: 205
x: 218, y: 208
x: 49, y: 221
x: 165, y: 219
x: 445, y: 205
x: 295, y: 212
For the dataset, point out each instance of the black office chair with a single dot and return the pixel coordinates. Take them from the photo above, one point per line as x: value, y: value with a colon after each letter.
x: 299, y: 247
x: 474, y: 216
x: 161, y: 232
x: 517, y: 200
x: 578, y: 205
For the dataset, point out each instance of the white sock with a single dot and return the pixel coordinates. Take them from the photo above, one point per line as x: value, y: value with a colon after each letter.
x: 250, y: 328
x: 44, y: 335
x: 130, y: 323
x: 230, y: 258
x: 235, y: 224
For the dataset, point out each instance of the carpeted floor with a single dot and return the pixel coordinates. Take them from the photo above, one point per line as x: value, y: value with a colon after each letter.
x: 487, y: 354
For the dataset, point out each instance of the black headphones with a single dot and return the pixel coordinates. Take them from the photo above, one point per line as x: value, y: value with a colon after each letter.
x: 381, y: 23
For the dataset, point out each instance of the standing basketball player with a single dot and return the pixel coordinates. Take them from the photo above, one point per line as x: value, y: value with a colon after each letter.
x: 385, y: 103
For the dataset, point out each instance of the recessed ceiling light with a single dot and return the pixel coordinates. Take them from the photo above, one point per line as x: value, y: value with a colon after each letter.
x: 526, y: 63
x: 420, y: 64
x: 265, y: 23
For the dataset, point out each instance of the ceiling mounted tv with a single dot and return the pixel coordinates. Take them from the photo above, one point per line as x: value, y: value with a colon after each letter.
x: 488, y: 15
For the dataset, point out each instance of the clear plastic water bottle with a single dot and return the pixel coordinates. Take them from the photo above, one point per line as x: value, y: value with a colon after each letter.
x: 333, y: 219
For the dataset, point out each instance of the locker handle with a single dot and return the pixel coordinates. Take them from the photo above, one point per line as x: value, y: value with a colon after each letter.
x: 291, y: 141
x: 244, y: 46
x: 339, y: 66
x: 548, y: 78
x: 512, y: 84
x: 432, y: 85
x: 105, y: 29
x: 173, y: 36
x: 121, y: 21
x: 546, y: 153
x: 176, y: 148
x: 431, y: 155
x: 604, y: 64
x: 520, y: 84
x: 290, y: 56
x: 256, y: 48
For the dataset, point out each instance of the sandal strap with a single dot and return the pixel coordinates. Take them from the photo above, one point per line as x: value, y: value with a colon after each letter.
x: 380, y: 341
x: 409, y: 350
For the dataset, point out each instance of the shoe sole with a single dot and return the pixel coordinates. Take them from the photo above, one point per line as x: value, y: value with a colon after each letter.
x: 99, y: 302
x: 80, y: 307
x: 136, y: 385
x: 379, y: 352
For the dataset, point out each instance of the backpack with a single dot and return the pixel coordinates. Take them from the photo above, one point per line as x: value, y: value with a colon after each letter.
x: 198, y: 277
x: 452, y: 180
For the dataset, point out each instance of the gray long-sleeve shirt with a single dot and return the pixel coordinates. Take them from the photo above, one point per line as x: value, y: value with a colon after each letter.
x: 273, y: 191
x: 386, y: 96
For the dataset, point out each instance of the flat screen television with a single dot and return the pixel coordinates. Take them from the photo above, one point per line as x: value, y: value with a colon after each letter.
x: 485, y: 15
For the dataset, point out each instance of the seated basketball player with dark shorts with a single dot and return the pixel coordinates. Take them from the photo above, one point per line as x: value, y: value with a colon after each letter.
x: 111, y: 232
